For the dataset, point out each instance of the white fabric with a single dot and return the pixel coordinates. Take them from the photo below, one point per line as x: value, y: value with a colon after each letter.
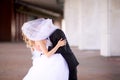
x: 48, y: 68
x: 38, y: 29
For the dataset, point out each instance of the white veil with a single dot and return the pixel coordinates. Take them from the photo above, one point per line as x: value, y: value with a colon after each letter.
x: 38, y: 29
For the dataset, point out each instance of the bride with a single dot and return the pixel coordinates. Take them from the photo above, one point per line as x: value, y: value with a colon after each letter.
x: 47, y: 65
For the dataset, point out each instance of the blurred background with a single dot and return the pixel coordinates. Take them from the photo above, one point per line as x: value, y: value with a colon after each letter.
x: 92, y: 28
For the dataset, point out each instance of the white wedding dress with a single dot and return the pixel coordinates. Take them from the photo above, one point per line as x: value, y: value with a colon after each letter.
x: 48, y: 68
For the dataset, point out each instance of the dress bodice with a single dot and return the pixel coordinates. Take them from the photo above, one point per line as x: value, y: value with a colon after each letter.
x: 36, y: 53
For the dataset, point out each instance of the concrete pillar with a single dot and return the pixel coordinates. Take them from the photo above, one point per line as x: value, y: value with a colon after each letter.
x: 110, y: 41
x: 82, y: 23
x: 105, y: 33
x: 114, y: 27
x: 71, y: 15
x: 90, y: 25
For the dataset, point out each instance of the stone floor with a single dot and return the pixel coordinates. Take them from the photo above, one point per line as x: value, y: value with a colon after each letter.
x: 15, y: 60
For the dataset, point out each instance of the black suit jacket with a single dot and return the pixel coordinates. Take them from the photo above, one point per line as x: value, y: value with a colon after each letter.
x: 65, y: 51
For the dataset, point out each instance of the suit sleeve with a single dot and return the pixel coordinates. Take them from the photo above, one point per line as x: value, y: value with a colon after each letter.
x: 65, y: 51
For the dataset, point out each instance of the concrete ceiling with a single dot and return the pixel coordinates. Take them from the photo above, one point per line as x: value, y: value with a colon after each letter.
x: 44, y: 3
x: 52, y: 5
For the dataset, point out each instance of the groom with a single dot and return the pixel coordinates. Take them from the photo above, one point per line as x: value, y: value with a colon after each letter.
x: 66, y: 52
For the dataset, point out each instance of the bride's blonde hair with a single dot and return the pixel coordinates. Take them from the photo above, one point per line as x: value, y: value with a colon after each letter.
x: 29, y: 43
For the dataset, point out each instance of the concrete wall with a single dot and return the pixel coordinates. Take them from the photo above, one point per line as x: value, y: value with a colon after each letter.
x: 94, y: 24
